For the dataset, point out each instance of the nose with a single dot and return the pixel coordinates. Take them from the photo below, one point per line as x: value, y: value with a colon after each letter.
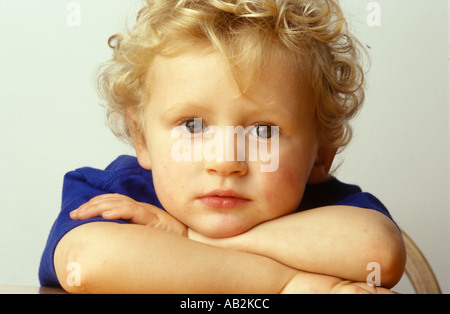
x: 228, y: 159
x: 226, y: 168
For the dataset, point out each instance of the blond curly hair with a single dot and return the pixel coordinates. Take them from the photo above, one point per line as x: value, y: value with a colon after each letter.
x: 311, y: 33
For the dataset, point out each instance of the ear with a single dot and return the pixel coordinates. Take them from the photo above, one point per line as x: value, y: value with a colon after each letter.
x: 140, y: 146
x: 322, y: 165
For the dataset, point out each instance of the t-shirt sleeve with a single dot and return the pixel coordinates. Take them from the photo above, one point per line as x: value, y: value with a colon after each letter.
x: 333, y: 192
x: 77, y: 190
x: 365, y: 200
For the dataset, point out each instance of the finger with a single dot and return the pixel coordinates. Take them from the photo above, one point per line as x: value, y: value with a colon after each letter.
x: 136, y: 214
x: 104, y: 197
x: 97, y: 207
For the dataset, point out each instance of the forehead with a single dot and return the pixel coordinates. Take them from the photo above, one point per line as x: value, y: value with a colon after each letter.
x: 194, y: 74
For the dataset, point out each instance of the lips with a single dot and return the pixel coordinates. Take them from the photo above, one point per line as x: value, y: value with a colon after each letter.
x: 223, y: 199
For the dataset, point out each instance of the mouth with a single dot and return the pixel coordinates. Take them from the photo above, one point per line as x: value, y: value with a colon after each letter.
x: 223, y: 199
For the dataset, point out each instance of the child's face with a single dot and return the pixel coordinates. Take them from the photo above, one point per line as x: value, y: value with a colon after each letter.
x: 225, y: 198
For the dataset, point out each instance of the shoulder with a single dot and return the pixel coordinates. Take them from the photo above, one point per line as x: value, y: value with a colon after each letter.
x: 123, y: 176
x: 334, y: 192
x: 103, y: 177
x: 327, y: 193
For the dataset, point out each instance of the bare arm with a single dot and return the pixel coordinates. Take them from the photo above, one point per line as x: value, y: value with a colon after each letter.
x: 115, y: 258
x: 337, y: 240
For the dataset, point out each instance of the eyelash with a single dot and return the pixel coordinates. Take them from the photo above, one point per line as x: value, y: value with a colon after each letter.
x: 272, y: 127
x: 268, y: 125
x: 185, y: 120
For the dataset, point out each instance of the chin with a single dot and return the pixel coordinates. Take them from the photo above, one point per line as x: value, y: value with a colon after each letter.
x: 222, y: 231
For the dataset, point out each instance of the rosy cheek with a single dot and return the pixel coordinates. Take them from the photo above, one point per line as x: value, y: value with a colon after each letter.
x: 283, y: 188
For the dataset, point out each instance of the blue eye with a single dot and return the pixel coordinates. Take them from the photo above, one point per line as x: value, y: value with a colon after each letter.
x: 264, y: 131
x: 193, y: 126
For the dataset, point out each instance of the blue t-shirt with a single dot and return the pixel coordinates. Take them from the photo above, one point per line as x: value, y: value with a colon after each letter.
x: 125, y: 176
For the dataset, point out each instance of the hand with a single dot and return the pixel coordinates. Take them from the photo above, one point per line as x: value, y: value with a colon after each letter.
x: 305, y: 283
x: 117, y: 206
x: 349, y: 287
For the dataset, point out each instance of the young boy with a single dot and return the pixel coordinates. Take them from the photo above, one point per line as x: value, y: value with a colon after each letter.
x: 236, y: 110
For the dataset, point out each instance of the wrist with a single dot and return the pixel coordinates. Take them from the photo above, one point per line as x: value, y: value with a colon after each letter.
x: 225, y: 243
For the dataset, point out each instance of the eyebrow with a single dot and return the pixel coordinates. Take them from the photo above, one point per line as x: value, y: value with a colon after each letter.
x: 183, y: 107
x: 177, y: 108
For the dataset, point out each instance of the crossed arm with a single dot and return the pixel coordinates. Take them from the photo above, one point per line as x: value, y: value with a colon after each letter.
x: 302, y: 252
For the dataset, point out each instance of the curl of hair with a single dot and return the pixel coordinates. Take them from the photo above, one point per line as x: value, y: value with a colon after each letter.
x: 312, y: 34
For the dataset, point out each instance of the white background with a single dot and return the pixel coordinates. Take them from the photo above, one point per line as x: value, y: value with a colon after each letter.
x: 51, y: 123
